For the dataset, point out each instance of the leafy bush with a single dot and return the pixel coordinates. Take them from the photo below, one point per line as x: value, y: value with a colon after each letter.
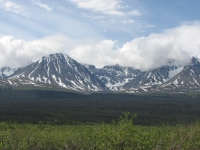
x: 120, y: 135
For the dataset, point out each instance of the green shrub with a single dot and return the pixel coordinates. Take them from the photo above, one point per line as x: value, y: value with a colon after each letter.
x: 120, y: 135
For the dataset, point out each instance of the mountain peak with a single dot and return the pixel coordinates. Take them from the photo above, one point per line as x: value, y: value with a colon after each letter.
x: 61, y: 71
x: 54, y: 56
x: 171, y: 61
x: 6, y: 72
x: 5, y: 68
x: 195, y: 60
x: 59, y: 56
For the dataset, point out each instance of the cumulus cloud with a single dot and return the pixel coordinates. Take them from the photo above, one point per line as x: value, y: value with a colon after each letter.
x: 16, y: 52
x: 154, y: 51
x: 13, y: 7
x: 42, y: 5
x: 144, y: 53
x: 99, y: 54
x: 108, y: 7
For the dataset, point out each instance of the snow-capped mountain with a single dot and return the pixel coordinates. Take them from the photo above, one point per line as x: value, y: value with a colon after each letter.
x: 187, y: 80
x: 151, y: 79
x: 6, y: 71
x: 57, y: 70
x: 114, y: 76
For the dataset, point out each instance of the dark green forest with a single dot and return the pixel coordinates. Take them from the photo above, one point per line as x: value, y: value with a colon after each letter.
x: 59, y: 108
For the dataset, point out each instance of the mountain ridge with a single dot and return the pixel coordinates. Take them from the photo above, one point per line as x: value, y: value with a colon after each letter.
x: 61, y: 71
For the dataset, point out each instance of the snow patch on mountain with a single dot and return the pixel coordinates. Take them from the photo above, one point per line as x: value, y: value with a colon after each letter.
x: 174, y: 72
x: 5, y: 72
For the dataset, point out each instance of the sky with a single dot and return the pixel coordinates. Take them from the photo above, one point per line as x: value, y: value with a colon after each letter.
x: 143, y: 34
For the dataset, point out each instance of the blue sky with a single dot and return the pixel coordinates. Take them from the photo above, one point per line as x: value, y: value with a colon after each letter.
x: 113, y: 31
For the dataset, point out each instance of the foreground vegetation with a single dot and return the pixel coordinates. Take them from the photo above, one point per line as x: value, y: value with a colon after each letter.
x: 122, y: 135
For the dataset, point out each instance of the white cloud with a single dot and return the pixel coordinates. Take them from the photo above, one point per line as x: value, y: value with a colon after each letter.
x: 17, y: 52
x: 143, y: 53
x: 13, y: 7
x: 111, y: 7
x: 154, y: 51
x: 42, y: 5
x: 135, y: 13
x: 98, y: 54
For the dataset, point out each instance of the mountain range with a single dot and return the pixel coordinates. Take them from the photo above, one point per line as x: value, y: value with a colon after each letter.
x: 59, y: 71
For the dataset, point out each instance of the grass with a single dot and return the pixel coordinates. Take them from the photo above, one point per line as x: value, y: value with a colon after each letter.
x: 120, y: 135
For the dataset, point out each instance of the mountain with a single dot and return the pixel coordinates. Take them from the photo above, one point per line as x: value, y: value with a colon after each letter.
x: 187, y: 80
x: 57, y: 70
x: 114, y: 76
x: 149, y: 80
x: 131, y: 80
x: 6, y: 71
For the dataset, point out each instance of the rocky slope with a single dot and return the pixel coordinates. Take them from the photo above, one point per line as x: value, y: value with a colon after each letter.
x: 57, y: 70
